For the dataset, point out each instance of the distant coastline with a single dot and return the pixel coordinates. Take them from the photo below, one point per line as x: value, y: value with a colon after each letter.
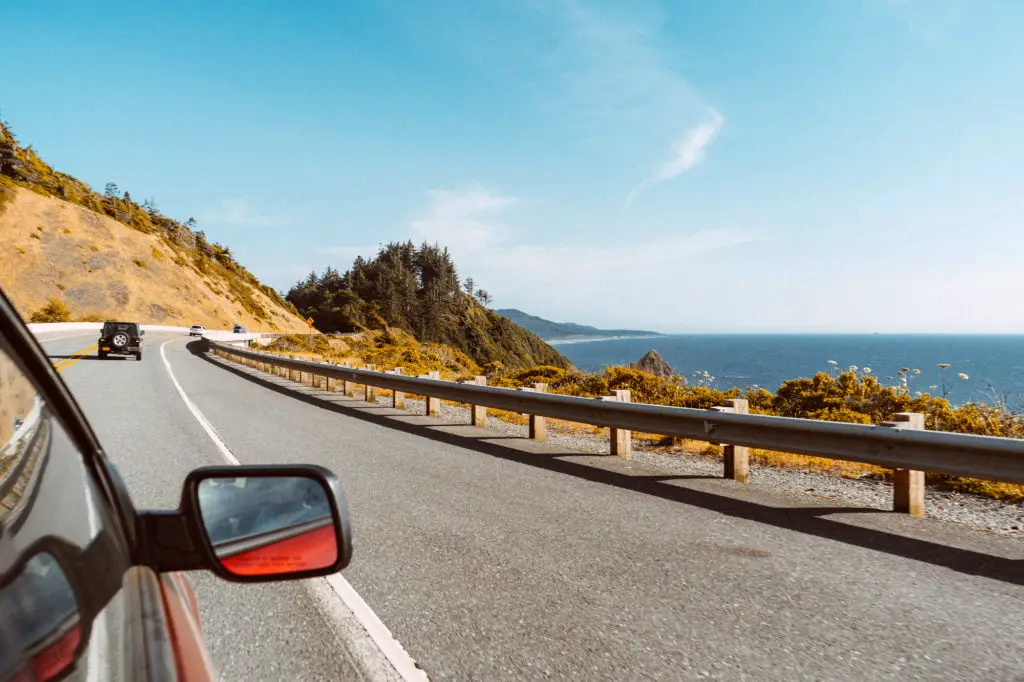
x: 587, y: 339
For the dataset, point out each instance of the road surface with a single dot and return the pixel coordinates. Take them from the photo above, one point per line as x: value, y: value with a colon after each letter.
x: 493, y: 558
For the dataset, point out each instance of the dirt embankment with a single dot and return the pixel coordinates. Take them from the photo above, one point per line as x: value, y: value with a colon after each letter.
x: 101, y: 268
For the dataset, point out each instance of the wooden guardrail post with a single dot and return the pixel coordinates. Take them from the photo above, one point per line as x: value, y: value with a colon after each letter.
x: 621, y: 439
x: 348, y: 387
x: 478, y: 413
x: 908, y: 484
x: 737, y: 457
x: 371, y: 391
x: 398, y: 397
x: 433, y: 404
x: 539, y: 424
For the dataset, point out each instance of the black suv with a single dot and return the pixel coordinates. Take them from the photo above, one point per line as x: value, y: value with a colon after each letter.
x: 120, y: 338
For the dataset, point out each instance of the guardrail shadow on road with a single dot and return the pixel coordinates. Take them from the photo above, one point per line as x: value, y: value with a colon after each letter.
x: 807, y: 520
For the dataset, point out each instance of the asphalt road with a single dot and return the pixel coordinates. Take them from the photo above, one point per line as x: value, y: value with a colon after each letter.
x: 494, y: 558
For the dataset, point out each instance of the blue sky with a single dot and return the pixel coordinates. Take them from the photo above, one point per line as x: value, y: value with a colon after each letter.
x: 812, y: 165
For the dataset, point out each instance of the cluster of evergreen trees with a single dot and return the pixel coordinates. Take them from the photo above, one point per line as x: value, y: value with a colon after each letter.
x: 418, y: 289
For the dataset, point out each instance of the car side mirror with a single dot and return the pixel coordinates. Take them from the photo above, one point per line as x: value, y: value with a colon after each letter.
x: 253, y: 524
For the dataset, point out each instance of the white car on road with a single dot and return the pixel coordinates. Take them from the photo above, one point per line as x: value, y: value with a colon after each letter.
x: 196, y: 330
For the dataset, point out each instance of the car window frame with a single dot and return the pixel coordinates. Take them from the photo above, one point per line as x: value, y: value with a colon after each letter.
x: 28, y: 355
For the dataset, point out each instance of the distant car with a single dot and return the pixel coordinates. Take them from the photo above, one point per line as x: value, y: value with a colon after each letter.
x: 120, y: 338
x: 196, y: 330
x: 239, y: 329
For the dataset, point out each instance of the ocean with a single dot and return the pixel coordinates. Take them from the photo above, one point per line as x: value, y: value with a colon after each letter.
x: 991, y: 362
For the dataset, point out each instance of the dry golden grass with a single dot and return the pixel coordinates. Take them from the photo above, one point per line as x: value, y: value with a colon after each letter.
x: 109, y: 270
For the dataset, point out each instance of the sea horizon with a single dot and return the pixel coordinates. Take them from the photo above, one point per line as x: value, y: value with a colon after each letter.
x: 993, y: 364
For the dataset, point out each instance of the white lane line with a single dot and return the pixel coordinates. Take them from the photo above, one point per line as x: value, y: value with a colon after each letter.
x: 371, y: 622
x: 200, y: 417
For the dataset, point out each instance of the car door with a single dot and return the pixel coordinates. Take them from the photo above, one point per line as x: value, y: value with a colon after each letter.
x: 72, y: 605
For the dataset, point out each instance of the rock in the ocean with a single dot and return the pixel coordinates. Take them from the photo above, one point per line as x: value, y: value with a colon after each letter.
x: 653, y: 363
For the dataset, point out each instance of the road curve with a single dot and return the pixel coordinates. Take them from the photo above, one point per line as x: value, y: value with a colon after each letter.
x: 490, y: 558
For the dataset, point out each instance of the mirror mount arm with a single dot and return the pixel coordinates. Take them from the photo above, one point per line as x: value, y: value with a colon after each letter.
x: 168, y: 543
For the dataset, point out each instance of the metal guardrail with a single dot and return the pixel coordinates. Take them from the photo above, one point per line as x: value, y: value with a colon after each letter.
x: 901, y: 446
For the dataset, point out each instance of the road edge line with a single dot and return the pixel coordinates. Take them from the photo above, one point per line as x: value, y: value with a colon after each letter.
x: 378, y: 632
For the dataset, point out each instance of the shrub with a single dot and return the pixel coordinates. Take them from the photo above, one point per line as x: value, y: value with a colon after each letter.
x: 54, y: 311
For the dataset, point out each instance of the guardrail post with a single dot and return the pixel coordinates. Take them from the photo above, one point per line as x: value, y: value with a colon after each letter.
x: 908, y: 484
x: 621, y: 439
x: 478, y: 412
x: 398, y: 397
x: 348, y: 387
x: 539, y: 424
x: 433, y: 404
x: 371, y: 391
x: 737, y: 457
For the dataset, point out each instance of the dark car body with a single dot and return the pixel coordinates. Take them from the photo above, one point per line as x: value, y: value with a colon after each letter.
x: 238, y: 329
x: 93, y: 588
x: 120, y: 338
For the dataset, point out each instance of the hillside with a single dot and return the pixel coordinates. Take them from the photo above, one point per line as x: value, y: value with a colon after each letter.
x: 104, y: 256
x: 416, y: 289
x: 551, y: 331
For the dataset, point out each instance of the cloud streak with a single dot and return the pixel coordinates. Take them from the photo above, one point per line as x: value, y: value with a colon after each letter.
x: 472, y: 225
x: 687, y: 152
x: 463, y: 218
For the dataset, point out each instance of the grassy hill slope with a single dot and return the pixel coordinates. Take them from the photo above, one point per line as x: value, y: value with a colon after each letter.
x: 101, y: 268
x: 105, y: 256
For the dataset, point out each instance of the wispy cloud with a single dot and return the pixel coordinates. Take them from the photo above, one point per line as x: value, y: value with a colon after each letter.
x: 629, y: 90
x: 473, y: 225
x: 687, y: 152
x: 235, y: 213
x: 463, y: 217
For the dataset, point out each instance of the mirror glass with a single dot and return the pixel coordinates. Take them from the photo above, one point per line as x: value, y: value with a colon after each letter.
x: 43, y: 636
x: 268, y: 525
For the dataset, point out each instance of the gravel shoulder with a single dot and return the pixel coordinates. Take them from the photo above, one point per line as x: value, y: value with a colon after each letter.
x: 1003, y: 518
